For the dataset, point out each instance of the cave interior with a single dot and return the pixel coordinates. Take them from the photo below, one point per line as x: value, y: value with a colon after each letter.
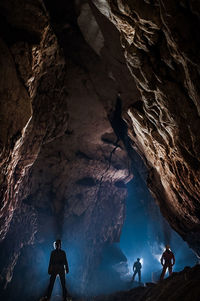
x: 99, y: 147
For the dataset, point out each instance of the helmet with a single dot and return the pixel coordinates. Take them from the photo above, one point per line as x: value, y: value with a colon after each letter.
x: 138, y: 259
x: 167, y: 247
x: 57, y: 243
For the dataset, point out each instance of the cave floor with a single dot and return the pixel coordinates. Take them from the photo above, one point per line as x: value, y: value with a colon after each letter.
x: 182, y: 286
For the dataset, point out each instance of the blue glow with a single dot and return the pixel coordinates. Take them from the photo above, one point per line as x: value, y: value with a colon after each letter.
x: 144, y: 237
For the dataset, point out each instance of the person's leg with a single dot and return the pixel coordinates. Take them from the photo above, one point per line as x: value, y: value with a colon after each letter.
x: 62, y: 280
x: 135, y: 272
x: 139, y: 275
x: 163, y: 272
x: 51, y: 284
x: 170, y: 269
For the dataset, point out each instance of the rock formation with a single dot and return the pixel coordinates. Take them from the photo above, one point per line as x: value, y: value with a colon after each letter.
x: 62, y: 161
x: 161, y: 42
x: 68, y: 144
x: 184, y: 282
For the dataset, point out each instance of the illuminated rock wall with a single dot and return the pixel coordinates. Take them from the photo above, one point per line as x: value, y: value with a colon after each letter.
x: 65, y: 148
x: 61, y: 159
x: 161, y: 46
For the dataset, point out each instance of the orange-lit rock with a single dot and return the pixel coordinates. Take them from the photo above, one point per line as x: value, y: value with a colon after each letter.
x: 161, y: 46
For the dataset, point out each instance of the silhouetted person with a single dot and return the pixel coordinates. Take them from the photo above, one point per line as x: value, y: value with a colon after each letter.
x: 137, y: 269
x: 167, y: 260
x: 58, y: 265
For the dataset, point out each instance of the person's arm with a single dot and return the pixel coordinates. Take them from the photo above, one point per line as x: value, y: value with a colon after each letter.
x: 173, y: 259
x: 161, y: 260
x: 66, y: 263
x: 133, y: 267
x: 50, y: 264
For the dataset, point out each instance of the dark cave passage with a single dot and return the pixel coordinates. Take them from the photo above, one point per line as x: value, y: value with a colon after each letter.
x: 145, y: 234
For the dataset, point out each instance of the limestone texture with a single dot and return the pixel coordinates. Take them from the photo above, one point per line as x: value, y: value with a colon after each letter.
x: 161, y: 46
x: 89, y: 89
x: 63, y: 164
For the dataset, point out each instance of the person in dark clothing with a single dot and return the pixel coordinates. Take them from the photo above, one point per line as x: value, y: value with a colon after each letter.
x: 167, y: 260
x: 58, y: 265
x: 137, y: 269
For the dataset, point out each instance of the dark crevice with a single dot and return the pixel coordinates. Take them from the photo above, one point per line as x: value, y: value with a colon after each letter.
x: 87, y: 181
x: 83, y: 155
x: 12, y: 35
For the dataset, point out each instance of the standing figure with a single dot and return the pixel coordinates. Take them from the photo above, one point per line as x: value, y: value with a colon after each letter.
x: 58, y: 265
x: 137, y: 269
x: 167, y: 260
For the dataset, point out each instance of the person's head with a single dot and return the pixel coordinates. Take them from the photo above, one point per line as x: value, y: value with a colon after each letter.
x: 167, y: 247
x: 57, y: 244
x: 138, y: 259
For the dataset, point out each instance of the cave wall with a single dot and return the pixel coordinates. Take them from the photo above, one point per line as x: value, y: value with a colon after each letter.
x: 161, y: 46
x: 32, y: 62
x: 78, y: 181
x: 66, y: 138
x: 33, y: 65
x: 64, y: 164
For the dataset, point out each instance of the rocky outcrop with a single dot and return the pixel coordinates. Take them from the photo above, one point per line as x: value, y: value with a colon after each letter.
x: 180, y: 286
x: 23, y: 222
x: 160, y: 41
x: 32, y: 68
x: 32, y: 62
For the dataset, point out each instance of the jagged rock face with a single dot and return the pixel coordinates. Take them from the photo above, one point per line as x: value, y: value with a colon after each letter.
x: 161, y: 46
x: 63, y: 163
x: 32, y: 63
x: 27, y: 80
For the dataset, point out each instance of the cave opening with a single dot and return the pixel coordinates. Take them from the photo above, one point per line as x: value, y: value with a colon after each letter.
x: 145, y: 233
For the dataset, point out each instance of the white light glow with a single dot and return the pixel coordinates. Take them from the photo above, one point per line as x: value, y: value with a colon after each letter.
x: 157, y: 251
